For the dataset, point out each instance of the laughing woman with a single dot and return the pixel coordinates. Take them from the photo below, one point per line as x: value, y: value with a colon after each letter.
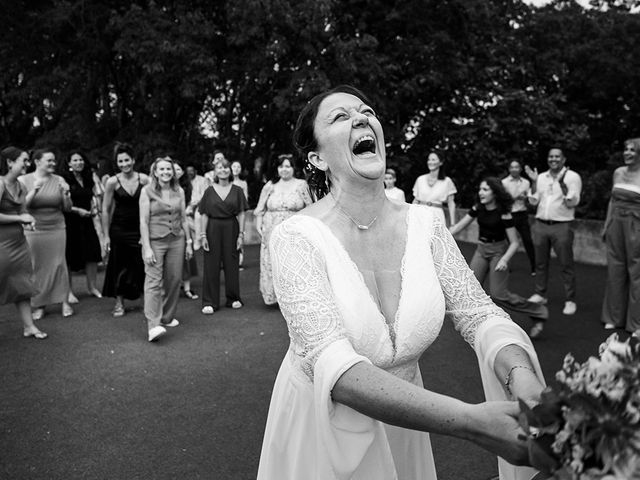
x: 164, y: 232
x: 498, y: 242
x: 124, y: 277
x: 16, y: 272
x: 48, y: 196
x: 362, y: 307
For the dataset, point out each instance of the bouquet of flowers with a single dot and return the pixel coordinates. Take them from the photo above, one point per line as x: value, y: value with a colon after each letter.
x: 587, y: 424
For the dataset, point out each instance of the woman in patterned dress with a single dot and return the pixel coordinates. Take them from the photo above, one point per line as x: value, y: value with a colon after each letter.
x: 16, y: 272
x: 279, y: 199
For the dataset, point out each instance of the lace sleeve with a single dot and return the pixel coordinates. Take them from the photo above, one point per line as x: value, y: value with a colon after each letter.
x: 304, y: 294
x: 467, y: 304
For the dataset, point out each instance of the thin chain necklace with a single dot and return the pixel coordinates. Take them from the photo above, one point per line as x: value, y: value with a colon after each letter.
x: 359, y: 225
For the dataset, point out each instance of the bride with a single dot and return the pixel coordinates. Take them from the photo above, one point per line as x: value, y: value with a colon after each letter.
x: 364, y: 285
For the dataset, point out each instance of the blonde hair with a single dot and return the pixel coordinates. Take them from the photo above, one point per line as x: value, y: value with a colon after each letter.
x: 155, y: 184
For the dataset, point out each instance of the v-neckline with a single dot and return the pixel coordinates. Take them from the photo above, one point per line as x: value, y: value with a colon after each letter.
x: 220, y: 196
x: 127, y: 191
x: 391, y: 327
x: 15, y: 198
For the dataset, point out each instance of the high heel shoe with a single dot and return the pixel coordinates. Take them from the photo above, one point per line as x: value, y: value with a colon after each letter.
x: 67, y: 311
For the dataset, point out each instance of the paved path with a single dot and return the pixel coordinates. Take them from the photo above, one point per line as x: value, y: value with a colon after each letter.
x: 96, y: 401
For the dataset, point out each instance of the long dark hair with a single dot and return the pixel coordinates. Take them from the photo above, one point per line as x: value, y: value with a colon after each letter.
x: 504, y: 200
x: 64, y: 169
x: 184, y: 181
x: 442, y: 174
x: 305, y: 141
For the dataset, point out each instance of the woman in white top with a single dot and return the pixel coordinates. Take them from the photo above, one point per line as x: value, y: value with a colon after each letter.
x: 364, y: 284
x: 435, y: 189
x: 391, y: 191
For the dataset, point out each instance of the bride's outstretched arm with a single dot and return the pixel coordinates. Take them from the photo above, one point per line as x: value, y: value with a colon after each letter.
x: 472, y: 311
x: 380, y: 395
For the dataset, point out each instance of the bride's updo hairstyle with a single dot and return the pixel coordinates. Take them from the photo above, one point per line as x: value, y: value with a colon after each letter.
x: 304, y: 138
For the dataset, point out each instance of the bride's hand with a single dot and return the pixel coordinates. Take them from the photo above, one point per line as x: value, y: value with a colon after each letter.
x: 495, y: 428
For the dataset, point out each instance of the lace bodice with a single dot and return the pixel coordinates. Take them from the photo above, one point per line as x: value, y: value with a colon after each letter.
x: 324, y: 298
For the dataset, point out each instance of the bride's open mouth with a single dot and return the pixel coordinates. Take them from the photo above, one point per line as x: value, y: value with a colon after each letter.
x: 365, y: 146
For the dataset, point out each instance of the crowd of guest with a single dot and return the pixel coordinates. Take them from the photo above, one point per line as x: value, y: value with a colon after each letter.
x: 60, y: 217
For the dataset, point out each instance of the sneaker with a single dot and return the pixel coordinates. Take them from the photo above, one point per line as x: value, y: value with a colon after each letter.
x: 536, y: 298
x: 569, y: 308
x: 207, y: 310
x: 536, y: 330
x: 609, y: 326
x: 156, y: 332
x: 236, y: 304
x: 172, y: 323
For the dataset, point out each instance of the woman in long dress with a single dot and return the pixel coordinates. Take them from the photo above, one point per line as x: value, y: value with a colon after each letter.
x: 435, y: 189
x: 621, y: 307
x: 84, y: 250
x: 364, y: 284
x: 222, y: 234
x: 47, y: 197
x: 279, y: 199
x: 124, y: 277
x: 497, y: 243
x: 16, y: 272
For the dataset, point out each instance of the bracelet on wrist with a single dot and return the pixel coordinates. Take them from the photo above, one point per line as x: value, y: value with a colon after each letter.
x: 203, y: 235
x: 507, y: 380
x: 189, y: 241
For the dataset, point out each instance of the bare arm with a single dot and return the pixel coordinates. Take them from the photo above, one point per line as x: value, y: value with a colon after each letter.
x: 461, y: 225
x: 503, y: 263
x: 185, y: 227
x: 107, y: 210
x: 452, y: 209
x: 380, y: 395
x: 147, y: 252
x: 6, y: 218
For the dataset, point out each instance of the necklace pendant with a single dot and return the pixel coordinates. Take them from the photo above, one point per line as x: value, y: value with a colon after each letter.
x: 363, y: 227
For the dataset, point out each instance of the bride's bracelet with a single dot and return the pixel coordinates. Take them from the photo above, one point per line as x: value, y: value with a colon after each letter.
x: 507, y: 380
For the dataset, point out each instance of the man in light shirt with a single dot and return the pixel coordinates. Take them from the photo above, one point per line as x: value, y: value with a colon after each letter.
x: 556, y: 193
x: 518, y: 188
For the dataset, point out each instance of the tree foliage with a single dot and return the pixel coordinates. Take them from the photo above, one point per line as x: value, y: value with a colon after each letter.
x: 482, y: 82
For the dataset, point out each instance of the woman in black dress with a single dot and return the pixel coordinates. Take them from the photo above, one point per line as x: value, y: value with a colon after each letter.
x: 84, y: 231
x: 124, y: 277
x: 222, y: 207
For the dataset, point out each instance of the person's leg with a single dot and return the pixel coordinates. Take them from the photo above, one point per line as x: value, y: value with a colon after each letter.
x: 562, y: 242
x: 91, y: 272
x: 174, y: 259
x: 541, y: 244
x: 230, y: 260
x: 521, y: 221
x: 153, y: 283
x: 214, y: 232
x: 28, y: 327
x: 479, y: 264
x: 617, y: 291
x: 632, y: 238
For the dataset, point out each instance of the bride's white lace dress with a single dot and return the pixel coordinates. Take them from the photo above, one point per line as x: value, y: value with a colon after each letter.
x: 334, y: 323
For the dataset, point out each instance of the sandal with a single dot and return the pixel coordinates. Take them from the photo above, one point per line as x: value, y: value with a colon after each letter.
x: 38, y: 335
x: 37, y: 314
x: 67, y: 311
x: 190, y: 295
x: 118, y: 310
x: 71, y: 298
